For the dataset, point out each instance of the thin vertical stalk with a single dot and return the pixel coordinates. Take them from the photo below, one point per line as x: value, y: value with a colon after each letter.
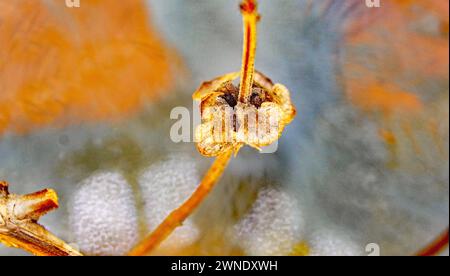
x: 250, y: 19
x: 177, y: 217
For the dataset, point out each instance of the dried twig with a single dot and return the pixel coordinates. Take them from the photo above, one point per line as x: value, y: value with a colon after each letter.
x: 18, y: 223
x: 221, y: 93
x: 177, y: 217
x: 436, y: 247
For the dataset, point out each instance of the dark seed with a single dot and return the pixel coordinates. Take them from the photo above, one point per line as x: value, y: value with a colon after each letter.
x: 258, y: 97
x: 230, y: 93
x: 230, y: 99
x: 256, y: 100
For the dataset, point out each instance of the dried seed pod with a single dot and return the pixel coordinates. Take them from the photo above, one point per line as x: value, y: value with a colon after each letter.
x: 19, y: 227
x: 229, y: 123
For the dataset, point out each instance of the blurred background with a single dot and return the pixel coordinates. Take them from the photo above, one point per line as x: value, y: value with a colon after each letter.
x: 85, y: 101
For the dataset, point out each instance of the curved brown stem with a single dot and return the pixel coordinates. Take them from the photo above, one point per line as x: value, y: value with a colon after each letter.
x: 436, y: 247
x: 177, y: 217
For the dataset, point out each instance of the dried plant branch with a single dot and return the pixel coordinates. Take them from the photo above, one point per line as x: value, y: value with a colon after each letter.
x: 177, y: 217
x: 18, y: 223
x: 436, y: 247
x: 220, y: 91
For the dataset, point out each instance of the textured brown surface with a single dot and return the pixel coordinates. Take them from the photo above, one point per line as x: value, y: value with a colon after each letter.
x: 19, y: 227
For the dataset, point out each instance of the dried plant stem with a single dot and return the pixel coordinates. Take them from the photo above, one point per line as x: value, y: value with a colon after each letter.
x: 19, y: 227
x: 177, y: 217
x: 250, y: 18
x: 436, y: 247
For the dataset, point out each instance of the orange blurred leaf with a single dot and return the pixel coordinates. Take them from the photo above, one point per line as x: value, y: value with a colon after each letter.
x: 60, y: 65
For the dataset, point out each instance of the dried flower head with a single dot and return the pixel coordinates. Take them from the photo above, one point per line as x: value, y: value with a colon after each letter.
x: 255, y: 113
x: 228, y: 122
